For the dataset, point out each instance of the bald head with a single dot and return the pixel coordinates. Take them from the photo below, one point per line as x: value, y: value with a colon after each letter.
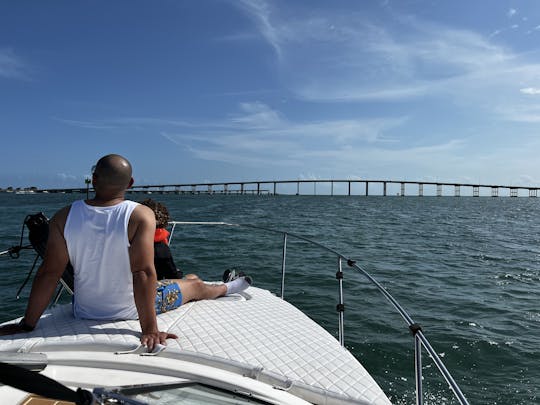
x: 112, y: 172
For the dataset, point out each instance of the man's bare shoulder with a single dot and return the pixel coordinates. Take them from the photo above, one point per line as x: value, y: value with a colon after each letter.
x: 142, y: 213
x: 143, y: 220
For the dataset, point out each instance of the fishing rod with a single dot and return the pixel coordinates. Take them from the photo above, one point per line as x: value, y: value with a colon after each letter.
x: 38, y: 232
x: 13, y: 251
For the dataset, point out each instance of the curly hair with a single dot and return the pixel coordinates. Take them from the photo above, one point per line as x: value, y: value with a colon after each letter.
x: 160, y: 211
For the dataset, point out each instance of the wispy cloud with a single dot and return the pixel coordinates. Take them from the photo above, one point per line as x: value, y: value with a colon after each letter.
x: 65, y: 177
x: 330, y: 56
x: 11, y: 65
x: 126, y: 122
x: 527, y: 113
x: 258, y: 116
x: 261, y: 12
x: 530, y: 90
x: 144, y: 122
x: 85, y: 124
x: 258, y: 134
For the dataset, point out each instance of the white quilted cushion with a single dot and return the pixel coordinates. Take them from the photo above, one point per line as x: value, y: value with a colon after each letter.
x: 258, y: 333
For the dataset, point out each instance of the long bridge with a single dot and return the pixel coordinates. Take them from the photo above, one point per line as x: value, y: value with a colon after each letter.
x: 331, y: 187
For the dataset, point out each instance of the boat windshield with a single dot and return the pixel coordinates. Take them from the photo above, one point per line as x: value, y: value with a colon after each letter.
x: 185, y: 393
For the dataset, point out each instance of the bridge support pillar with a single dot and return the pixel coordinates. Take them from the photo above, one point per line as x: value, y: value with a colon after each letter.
x: 533, y: 192
x: 298, y: 188
x: 402, y: 189
x: 349, y: 188
x: 476, y: 191
x: 193, y: 189
x: 258, y: 188
x: 367, y: 188
x: 384, y: 188
x: 275, y: 188
x: 457, y: 191
x: 331, y: 188
x: 439, y: 190
x: 420, y: 190
x: 241, y: 188
x: 513, y: 192
x: 494, y: 191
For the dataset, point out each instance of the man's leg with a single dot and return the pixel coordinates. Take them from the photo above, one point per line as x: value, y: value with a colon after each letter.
x: 196, y: 289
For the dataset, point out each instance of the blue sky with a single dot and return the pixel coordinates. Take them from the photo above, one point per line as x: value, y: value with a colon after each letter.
x: 216, y: 90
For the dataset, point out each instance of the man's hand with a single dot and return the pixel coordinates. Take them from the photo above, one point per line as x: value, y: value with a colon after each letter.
x: 11, y: 329
x: 150, y: 340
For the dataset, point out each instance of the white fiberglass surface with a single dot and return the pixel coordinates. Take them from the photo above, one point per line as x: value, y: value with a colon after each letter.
x: 89, y: 377
x: 193, y: 395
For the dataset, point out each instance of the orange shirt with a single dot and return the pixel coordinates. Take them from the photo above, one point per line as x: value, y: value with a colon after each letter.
x: 161, y: 235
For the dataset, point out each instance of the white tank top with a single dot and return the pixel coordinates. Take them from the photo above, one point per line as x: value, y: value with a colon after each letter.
x: 98, y: 247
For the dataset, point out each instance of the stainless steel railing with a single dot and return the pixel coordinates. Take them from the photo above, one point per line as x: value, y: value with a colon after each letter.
x: 419, y: 338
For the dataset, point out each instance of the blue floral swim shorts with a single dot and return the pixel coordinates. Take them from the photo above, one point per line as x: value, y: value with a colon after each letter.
x: 168, y: 296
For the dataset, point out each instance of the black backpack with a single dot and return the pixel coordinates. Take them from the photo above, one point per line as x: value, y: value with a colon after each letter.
x: 38, y: 233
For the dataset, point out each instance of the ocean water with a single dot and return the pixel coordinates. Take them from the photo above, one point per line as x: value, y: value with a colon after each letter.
x: 467, y: 269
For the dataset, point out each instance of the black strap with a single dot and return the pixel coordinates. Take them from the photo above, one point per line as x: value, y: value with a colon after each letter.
x: 415, y: 328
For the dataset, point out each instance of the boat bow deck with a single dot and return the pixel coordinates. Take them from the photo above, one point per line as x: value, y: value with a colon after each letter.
x: 254, y: 334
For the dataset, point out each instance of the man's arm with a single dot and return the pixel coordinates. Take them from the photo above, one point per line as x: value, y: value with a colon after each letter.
x: 142, y: 226
x: 47, y: 276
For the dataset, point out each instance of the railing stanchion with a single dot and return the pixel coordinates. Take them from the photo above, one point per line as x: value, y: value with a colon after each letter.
x: 418, y: 369
x: 172, y: 232
x: 341, y: 306
x: 442, y: 368
x: 283, y: 264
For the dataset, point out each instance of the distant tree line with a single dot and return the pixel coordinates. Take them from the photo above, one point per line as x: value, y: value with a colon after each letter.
x: 14, y: 190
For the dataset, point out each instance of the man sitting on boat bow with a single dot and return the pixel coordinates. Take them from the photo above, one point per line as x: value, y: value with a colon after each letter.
x: 110, y: 243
